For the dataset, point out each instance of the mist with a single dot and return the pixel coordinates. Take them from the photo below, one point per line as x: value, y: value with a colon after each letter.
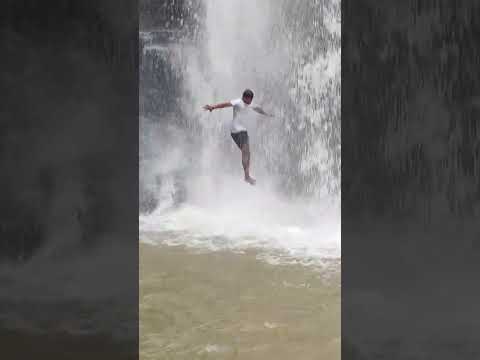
x: 191, y: 177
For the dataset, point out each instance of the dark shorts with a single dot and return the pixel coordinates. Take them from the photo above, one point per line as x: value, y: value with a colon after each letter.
x: 240, y: 138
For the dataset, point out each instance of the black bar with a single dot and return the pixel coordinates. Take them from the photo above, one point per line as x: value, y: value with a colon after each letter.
x: 410, y: 179
x: 69, y: 179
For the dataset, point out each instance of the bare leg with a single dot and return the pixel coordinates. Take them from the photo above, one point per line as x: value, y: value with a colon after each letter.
x: 246, y: 164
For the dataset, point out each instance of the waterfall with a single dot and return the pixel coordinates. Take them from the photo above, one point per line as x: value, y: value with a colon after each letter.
x: 288, y: 53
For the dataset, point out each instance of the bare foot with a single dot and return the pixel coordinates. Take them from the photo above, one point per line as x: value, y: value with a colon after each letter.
x: 250, y: 180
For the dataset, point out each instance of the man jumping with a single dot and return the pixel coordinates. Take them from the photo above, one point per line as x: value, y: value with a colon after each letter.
x: 241, y: 110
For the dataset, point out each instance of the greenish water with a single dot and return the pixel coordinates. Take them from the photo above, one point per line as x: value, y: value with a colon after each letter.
x: 221, y: 305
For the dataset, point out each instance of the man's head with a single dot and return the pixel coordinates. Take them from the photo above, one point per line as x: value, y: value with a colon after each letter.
x: 247, y: 96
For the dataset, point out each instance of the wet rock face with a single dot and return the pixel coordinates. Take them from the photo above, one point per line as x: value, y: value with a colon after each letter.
x: 159, y: 81
x: 162, y: 26
x: 147, y: 201
x: 175, y: 14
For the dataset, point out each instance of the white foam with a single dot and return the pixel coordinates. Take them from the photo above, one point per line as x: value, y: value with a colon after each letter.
x: 214, y: 348
x: 244, y: 218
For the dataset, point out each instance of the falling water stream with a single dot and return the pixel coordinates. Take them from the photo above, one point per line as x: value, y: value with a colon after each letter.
x: 288, y: 52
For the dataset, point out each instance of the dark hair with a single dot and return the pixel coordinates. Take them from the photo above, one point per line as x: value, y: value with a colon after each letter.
x: 248, y: 93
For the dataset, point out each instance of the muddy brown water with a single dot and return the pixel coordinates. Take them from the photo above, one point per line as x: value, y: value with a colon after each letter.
x: 221, y: 305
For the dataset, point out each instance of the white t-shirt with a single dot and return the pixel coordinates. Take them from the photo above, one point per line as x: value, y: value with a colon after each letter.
x: 241, y: 113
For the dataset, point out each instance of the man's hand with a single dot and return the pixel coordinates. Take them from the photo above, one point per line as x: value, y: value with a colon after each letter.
x: 259, y: 110
x: 217, y: 106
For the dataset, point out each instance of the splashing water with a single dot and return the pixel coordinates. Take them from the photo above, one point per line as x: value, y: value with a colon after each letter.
x: 288, y: 52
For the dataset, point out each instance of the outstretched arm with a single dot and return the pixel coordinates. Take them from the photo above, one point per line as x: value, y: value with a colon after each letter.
x: 259, y: 110
x: 217, y: 106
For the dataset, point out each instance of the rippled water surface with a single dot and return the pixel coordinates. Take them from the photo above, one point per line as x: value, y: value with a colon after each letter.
x: 222, y: 305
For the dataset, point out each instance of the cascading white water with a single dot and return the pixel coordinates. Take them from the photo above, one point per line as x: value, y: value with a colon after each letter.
x: 288, y: 52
